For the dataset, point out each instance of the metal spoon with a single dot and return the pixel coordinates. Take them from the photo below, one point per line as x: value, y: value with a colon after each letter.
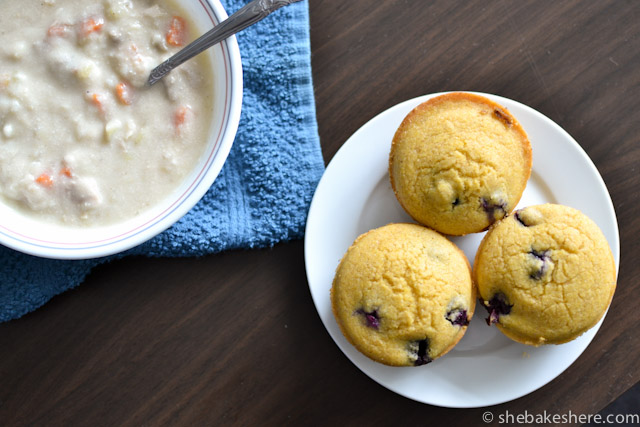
x: 248, y: 15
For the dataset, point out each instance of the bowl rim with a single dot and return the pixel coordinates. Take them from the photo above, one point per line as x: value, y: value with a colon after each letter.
x: 173, y: 209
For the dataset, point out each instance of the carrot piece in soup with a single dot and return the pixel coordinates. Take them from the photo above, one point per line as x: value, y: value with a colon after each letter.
x: 66, y: 172
x: 176, y: 35
x: 123, y: 92
x: 96, y: 100
x: 45, y: 180
x: 180, y: 116
x: 90, y: 25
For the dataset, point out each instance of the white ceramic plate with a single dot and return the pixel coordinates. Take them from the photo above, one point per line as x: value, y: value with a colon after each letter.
x: 355, y: 196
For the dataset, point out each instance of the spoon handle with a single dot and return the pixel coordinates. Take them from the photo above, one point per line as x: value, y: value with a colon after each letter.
x: 248, y: 15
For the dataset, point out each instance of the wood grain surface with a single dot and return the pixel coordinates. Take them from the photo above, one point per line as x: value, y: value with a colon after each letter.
x: 234, y: 338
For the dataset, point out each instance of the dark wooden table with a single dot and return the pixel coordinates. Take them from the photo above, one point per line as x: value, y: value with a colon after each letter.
x: 235, y: 338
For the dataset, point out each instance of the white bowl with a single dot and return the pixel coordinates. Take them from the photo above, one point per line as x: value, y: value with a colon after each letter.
x: 48, y: 240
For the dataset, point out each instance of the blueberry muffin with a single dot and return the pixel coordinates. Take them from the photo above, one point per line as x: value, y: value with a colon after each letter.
x: 546, y: 274
x: 459, y: 162
x: 403, y: 295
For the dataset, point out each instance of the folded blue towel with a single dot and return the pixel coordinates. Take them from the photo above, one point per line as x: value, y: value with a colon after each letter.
x: 263, y: 192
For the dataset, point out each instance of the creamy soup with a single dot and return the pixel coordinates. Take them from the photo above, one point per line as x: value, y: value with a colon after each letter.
x: 83, y: 141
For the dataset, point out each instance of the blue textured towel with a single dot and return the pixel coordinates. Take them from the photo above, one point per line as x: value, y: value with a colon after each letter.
x: 263, y: 192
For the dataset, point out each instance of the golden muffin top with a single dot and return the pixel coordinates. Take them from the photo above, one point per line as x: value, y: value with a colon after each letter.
x: 546, y: 274
x: 403, y: 294
x: 459, y: 162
